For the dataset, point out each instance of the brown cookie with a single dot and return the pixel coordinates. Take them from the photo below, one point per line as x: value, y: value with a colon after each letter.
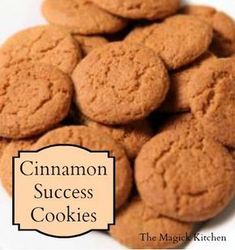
x: 6, y: 161
x: 136, y: 219
x: 212, y: 91
x: 179, y: 40
x: 89, y: 43
x: 44, y: 44
x: 131, y: 136
x: 223, y: 25
x: 33, y: 99
x: 120, y: 83
x: 81, y: 17
x: 94, y: 140
x: 140, y: 9
x: 178, y: 175
x: 177, y: 99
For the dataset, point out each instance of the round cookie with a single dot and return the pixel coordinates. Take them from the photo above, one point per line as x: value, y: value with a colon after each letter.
x: 167, y: 38
x: 224, y: 28
x: 81, y: 17
x: 212, y: 91
x: 131, y: 136
x: 6, y: 161
x: 43, y: 44
x: 177, y: 99
x: 140, y: 9
x: 89, y: 43
x: 33, y: 99
x: 120, y: 83
x: 136, y: 218
x: 163, y: 173
x: 94, y: 140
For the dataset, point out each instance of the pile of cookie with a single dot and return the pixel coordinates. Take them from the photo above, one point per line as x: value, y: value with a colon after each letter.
x: 153, y: 82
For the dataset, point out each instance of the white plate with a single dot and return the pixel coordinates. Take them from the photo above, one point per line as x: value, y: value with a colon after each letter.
x: 19, y: 14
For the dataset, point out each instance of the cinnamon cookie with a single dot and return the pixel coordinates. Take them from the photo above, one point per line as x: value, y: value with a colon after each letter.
x: 177, y: 99
x: 131, y: 136
x: 94, y: 140
x: 178, y: 175
x: 137, y: 219
x: 6, y: 161
x: 223, y: 25
x: 33, y: 98
x: 167, y: 38
x: 81, y: 17
x: 120, y: 83
x: 44, y: 44
x: 212, y: 101
x: 89, y: 43
x: 140, y: 9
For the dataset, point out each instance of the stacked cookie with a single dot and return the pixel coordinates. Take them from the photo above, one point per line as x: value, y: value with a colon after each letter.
x: 68, y: 83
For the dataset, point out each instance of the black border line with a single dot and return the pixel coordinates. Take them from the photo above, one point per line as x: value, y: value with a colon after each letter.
x: 69, y: 145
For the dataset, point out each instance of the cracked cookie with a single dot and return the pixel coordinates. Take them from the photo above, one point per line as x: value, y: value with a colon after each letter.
x: 178, y: 175
x: 167, y: 38
x: 33, y: 99
x: 81, y: 17
x: 224, y: 28
x: 89, y: 43
x: 94, y: 140
x: 177, y: 99
x: 44, y: 44
x: 140, y: 9
x: 120, y: 83
x: 136, y: 219
x: 131, y: 136
x: 6, y: 161
x: 212, y: 92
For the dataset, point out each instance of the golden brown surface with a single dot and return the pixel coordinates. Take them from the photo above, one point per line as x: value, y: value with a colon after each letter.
x: 179, y: 39
x: 212, y: 101
x: 140, y: 9
x: 41, y: 44
x: 120, y: 83
x: 33, y: 99
x: 178, y: 175
x: 81, y: 17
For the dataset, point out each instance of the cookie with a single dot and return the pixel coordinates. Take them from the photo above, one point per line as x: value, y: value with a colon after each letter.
x: 136, y: 218
x: 89, y: 43
x: 211, y: 92
x: 177, y: 99
x: 140, y: 9
x: 224, y: 28
x: 120, y: 83
x: 33, y: 99
x: 43, y: 44
x: 94, y: 140
x: 167, y: 38
x: 178, y: 175
x: 131, y: 136
x: 6, y: 161
x: 81, y: 17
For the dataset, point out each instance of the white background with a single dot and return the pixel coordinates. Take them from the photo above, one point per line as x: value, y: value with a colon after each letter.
x: 19, y: 14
